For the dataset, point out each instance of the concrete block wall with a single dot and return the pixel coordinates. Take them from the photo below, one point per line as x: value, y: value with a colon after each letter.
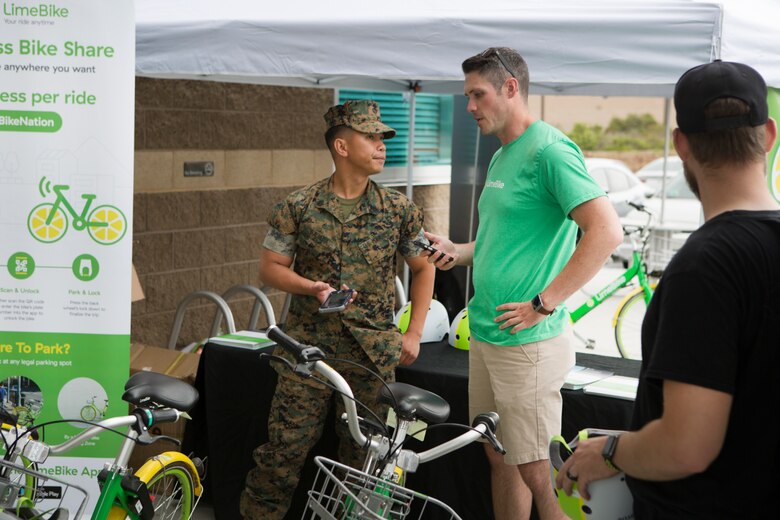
x: 205, y: 233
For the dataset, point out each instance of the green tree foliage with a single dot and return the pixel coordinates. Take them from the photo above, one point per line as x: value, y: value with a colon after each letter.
x: 587, y: 137
x: 634, y: 132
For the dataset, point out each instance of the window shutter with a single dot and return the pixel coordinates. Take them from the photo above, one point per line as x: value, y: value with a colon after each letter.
x: 432, y: 131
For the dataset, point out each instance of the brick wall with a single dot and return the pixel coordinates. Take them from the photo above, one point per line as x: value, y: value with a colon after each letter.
x: 205, y: 233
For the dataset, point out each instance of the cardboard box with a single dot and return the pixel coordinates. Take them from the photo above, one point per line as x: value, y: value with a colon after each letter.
x: 136, y: 292
x: 174, y: 363
x: 181, y: 365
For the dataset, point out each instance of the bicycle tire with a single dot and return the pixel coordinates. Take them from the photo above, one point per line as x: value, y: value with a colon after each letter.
x: 88, y: 413
x: 628, y: 324
x: 171, y: 488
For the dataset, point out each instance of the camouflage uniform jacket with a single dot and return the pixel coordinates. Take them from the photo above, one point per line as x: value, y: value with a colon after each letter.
x: 359, y: 251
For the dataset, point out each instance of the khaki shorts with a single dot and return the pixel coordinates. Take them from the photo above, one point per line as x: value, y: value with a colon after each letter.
x: 523, y: 384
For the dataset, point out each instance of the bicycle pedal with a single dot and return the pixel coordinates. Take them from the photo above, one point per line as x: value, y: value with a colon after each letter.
x: 590, y: 344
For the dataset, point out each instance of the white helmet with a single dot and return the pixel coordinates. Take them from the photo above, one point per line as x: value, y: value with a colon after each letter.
x: 459, y: 331
x: 437, y: 322
x: 610, y: 499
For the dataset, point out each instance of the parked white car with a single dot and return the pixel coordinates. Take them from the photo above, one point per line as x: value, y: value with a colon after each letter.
x: 681, y: 209
x: 682, y: 214
x: 618, y: 181
x: 652, y: 173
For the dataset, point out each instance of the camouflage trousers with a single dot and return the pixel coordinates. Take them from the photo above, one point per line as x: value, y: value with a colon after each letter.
x: 295, y: 423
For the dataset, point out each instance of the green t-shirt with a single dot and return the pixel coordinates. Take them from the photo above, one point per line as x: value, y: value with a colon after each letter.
x: 525, y: 234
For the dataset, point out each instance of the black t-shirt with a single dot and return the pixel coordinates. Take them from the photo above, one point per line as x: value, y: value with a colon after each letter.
x: 714, y: 322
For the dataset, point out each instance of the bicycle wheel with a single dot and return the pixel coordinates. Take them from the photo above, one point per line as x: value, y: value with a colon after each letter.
x: 171, y: 488
x: 43, y: 232
x: 628, y: 324
x: 114, y: 228
x: 88, y: 413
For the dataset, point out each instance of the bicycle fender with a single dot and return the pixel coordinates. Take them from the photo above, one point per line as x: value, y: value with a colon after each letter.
x: 625, y: 300
x: 152, y: 465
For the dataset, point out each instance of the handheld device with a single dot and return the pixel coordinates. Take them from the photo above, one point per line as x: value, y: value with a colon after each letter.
x: 425, y: 245
x: 432, y: 250
x: 336, y: 301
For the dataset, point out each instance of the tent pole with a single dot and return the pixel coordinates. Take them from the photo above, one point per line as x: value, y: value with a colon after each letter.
x: 410, y: 165
x: 472, y: 212
x: 667, y: 133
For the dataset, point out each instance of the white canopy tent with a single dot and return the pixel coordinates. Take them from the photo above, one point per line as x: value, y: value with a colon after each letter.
x: 605, y: 47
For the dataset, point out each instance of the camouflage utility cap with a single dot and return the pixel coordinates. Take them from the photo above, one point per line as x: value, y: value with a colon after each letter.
x: 361, y: 115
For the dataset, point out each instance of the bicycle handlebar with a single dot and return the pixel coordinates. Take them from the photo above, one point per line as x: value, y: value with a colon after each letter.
x: 302, y: 353
x: 484, y: 424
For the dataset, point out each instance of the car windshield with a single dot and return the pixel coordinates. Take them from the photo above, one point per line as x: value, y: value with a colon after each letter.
x: 657, y: 165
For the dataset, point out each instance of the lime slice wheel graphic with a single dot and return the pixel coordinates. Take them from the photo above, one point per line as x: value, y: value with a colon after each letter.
x: 106, y: 225
x: 45, y: 232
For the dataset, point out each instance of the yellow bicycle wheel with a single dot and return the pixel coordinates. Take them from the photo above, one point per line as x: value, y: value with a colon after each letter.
x: 106, y: 225
x: 173, y: 483
x: 43, y: 229
x: 628, y: 323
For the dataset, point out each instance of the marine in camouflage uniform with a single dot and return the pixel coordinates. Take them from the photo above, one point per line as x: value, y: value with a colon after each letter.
x: 357, y: 250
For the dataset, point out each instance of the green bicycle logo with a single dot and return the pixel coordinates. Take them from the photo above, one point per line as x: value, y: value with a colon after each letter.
x: 48, y: 222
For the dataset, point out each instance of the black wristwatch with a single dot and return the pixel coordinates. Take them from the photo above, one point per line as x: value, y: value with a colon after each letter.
x: 538, y: 305
x: 609, y: 451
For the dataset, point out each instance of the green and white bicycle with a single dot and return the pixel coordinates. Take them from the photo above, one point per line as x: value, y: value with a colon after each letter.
x: 167, y: 486
x: 630, y: 312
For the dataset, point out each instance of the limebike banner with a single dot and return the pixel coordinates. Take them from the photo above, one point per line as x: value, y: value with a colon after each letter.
x: 773, y: 159
x: 66, y: 194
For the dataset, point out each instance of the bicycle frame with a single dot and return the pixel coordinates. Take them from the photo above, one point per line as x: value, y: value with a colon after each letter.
x: 79, y: 220
x: 124, y: 494
x: 120, y: 490
x: 636, y: 268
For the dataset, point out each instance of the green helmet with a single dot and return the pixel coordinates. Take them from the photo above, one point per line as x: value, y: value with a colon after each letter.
x: 459, y: 331
x: 610, y: 498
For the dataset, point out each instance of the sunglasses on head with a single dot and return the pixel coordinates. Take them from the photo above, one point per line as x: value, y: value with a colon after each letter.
x: 495, y: 52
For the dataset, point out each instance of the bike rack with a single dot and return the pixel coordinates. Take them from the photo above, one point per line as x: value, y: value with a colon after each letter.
x: 214, y: 297
x: 261, y: 300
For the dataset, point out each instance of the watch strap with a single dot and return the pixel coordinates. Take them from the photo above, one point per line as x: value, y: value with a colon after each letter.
x: 538, y: 305
x: 609, y: 452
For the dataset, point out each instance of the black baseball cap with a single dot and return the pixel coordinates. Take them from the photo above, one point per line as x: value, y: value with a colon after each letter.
x: 701, y: 85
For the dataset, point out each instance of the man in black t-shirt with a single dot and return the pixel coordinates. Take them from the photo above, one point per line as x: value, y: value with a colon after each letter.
x: 702, y: 443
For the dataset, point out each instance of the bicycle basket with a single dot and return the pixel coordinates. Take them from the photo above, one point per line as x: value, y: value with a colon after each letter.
x: 48, y: 494
x: 343, y: 493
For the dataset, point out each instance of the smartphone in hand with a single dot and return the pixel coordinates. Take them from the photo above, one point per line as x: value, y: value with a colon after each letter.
x: 336, y: 301
x: 427, y: 246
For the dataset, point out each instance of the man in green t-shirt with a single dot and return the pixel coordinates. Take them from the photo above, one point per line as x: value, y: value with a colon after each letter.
x: 537, y: 193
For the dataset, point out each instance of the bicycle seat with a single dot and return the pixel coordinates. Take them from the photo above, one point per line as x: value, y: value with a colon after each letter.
x: 150, y: 389
x: 415, y: 403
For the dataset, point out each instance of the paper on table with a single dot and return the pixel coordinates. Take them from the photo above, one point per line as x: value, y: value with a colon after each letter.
x: 615, y: 386
x: 580, y: 376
